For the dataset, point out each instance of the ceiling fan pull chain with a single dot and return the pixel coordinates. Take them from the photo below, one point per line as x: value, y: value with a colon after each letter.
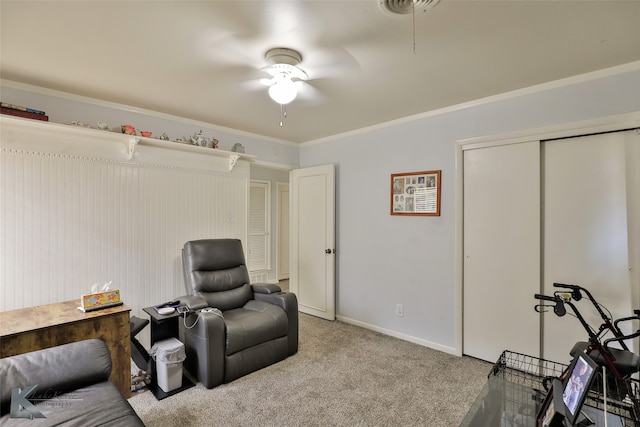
x: 413, y: 21
x: 283, y: 114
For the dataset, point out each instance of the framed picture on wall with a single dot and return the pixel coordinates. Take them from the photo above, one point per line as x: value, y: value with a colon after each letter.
x: 416, y: 193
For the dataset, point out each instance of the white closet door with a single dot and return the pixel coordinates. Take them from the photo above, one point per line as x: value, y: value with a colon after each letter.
x: 632, y: 156
x: 501, y: 250
x: 587, y: 230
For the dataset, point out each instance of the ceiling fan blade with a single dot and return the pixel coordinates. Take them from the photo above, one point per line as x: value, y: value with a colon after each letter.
x: 267, y: 82
x: 330, y: 63
x: 254, y: 86
x: 228, y: 49
x: 310, y: 95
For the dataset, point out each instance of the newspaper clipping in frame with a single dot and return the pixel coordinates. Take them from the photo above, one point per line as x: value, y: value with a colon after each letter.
x: 416, y: 193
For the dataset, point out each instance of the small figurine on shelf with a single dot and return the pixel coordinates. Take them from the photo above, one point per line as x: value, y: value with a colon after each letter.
x: 75, y: 123
x: 214, y: 143
x: 146, y: 133
x: 103, y: 126
x: 164, y: 137
x: 128, y: 129
x: 237, y: 148
x: 198, y: 139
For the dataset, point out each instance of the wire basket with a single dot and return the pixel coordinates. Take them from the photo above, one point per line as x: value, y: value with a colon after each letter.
x: 534, y: 375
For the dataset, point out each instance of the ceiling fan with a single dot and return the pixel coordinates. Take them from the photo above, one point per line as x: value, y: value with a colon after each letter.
x: 286, y: 76
x: 250, y: 43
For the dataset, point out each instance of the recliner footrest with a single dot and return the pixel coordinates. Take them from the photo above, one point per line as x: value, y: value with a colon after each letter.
x: 137, y: 324
x: 139, y: 354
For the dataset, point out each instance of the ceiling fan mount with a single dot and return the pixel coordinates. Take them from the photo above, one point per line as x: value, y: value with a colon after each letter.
x: 283, y: 63
x: 405, y: 7
x: 283, y: 55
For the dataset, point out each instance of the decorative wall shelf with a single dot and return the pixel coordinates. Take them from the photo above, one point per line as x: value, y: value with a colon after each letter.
x: 25, y: 134
x: 233, y: 156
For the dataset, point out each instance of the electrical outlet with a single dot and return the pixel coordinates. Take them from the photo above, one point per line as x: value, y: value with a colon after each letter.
x: 399, y: 310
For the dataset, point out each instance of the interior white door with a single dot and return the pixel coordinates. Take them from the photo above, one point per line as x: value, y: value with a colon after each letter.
x: 501, y: 250
x: 587, y: 230
x: 312, y: 264
x: 283, y: 230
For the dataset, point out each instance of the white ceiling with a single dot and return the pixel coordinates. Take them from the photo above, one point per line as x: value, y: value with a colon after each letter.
x: 202, y: 59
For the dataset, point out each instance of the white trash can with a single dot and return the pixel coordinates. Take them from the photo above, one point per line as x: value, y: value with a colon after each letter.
x: 169, y: 355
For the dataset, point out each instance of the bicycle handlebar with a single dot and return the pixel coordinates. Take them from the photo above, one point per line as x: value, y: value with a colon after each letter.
x: 558, y: 307
x: 575, y: 290
x: 564, y: 285
x: 608, y: 322
x: 560, y: 310
x: 545, y: 297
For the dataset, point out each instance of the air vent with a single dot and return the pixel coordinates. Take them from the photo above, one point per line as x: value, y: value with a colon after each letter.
x: 403, y: 7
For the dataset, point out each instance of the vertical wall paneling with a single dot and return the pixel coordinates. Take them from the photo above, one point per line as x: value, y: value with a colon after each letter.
x: 69, y: 221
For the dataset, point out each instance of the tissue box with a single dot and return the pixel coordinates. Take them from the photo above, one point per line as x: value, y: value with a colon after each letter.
x: 90, y: 302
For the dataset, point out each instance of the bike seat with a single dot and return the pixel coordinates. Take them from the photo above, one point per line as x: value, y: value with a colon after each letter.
x: 626, y: 362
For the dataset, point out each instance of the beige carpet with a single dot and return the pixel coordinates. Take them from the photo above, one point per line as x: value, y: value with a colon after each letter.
x: 342, y: 375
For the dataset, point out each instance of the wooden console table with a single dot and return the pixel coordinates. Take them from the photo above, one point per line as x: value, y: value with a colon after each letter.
x: 35, y: 328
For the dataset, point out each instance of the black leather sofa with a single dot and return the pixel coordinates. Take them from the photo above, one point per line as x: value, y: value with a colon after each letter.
x: 71, y: 388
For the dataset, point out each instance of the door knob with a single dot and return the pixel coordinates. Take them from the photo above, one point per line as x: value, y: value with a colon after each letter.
x: 327, y: 251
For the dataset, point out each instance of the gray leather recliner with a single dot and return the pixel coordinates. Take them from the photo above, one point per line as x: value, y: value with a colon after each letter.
x: 253, y: 327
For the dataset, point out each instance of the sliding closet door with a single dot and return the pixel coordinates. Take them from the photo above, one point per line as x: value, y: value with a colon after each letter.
x: 591, y: 217
x: 632, y: 156
x: 501, y: 250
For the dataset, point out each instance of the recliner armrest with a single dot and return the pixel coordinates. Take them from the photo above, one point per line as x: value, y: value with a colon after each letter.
x: 265, y: 288
x: 194, y: 302
x: 289, y: 303
x: 203, y: 335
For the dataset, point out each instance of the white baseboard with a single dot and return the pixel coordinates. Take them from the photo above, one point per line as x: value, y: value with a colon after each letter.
x: 419, y: 341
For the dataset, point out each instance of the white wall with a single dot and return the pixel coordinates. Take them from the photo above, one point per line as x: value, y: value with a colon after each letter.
x: 384, y: 260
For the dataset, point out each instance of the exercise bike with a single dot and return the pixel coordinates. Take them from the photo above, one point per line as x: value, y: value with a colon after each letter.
x: 619, y: 364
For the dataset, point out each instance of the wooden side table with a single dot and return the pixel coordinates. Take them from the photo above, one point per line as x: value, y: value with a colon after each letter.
x: 36, y: 328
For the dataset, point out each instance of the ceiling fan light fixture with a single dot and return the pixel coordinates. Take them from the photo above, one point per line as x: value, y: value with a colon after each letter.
x: 283, y: 69
x: 283, y: 91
